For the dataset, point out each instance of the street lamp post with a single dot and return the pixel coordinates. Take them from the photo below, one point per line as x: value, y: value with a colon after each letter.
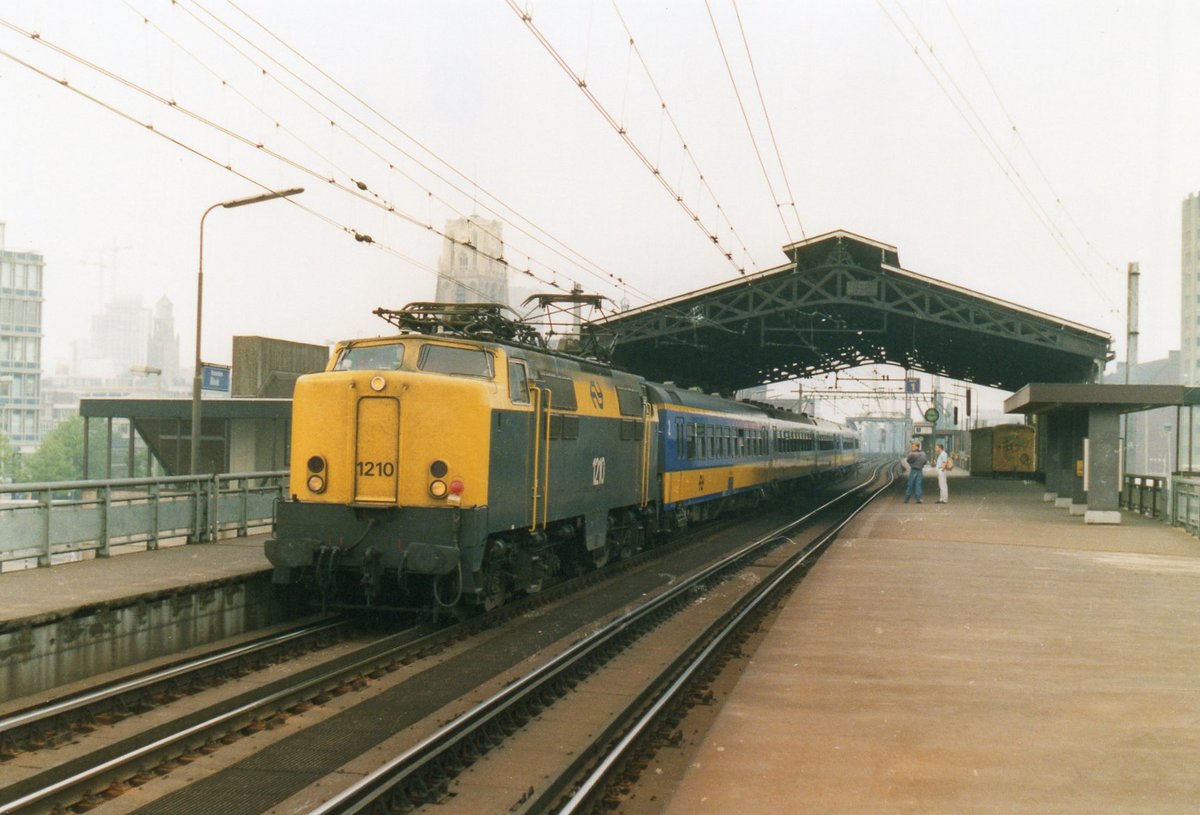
x: 196, y: 384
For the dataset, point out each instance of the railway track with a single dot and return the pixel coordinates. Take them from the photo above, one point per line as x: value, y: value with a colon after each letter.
x: 50, y: 722
x: 114, y: 769
x: 422, y: 774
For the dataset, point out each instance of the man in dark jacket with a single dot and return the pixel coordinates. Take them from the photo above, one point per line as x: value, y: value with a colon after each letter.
x: 916, y: 462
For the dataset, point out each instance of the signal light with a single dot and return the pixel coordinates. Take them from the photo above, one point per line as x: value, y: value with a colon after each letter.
x: 456, y: 487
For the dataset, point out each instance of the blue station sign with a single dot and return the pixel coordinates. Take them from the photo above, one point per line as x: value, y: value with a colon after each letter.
x: 214, y: 378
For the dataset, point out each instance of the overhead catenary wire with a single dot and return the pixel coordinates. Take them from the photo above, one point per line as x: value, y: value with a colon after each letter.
x: 580, y: 261
x: 992, y: 148
x: 564, y: 250
x: 1016, y: 131
x: 355, y: 190
x: 358, y: 235
x: 791, y: 202
x: 601, y: 273
x: 623, y: 134
x: 667, y: 115
x: 746, y: 118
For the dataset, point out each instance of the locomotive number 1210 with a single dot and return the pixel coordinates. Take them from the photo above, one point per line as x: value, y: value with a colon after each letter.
x: 369, y: 469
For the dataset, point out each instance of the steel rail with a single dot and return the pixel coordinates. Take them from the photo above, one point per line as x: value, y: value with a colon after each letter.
x: 181, y: 738
x: 368, y: 792
x: 716, y: 637
x: 149, y: 679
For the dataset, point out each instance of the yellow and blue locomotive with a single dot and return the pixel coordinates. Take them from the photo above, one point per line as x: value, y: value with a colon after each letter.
x: 459, y: 462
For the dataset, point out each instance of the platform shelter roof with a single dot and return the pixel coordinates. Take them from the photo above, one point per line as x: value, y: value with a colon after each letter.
x: 842, y: 301
x: 1048, y: 397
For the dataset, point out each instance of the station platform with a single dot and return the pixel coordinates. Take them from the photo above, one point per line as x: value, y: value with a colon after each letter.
x: 38, y: 596
x: 67, y: 623
x: 990, y: 655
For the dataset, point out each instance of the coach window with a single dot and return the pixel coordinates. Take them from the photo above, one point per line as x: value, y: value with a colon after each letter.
x: 681, y: 450
x: 691, y: 440
x: 518, y: 382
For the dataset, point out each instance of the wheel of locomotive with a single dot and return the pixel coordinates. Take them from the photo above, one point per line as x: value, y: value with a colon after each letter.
x: 601, y: 555
x: 492, y: 580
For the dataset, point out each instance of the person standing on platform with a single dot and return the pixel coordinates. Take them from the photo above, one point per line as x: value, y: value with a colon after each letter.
x: 916, y: 462
x: 942, y: 463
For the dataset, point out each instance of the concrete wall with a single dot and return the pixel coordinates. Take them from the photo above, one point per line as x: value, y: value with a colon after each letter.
x: 257, y: 445
x: 268, y: 368
x: 46, y: 654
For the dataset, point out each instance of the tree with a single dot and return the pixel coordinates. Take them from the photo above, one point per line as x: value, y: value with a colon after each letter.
x: 60, y: 456
x: 10, y: 462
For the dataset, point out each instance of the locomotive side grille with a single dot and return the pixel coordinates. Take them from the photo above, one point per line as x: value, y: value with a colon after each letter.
x: 376, y: 450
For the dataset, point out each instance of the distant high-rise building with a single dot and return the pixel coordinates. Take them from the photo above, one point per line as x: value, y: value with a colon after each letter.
x: 1189, y: 325
x: 163, y: 349
x: 472, y: 267
x: 20, y: 345
x: 118, y: 341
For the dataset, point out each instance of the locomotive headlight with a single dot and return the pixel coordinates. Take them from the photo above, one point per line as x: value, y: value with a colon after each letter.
x: 377, y: 382
x: 438, y: 489
x: 316, y: 474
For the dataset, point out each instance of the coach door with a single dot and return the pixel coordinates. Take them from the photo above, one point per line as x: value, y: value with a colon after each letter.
x: 376, y: 449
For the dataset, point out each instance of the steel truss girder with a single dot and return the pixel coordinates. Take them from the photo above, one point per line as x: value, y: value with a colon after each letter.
x: 824, y: 318
x: 808, y: 291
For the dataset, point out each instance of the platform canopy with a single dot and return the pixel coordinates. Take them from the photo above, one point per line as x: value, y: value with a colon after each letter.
x: 843, y: 301
x: 1042, y: 397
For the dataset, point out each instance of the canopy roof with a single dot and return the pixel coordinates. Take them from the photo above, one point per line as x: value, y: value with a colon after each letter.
x: 843, y: 301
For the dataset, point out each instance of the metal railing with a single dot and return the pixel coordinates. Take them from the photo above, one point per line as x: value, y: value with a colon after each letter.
x: 1144, y: 494
x: 1186, y: 509
x: 57, y: 521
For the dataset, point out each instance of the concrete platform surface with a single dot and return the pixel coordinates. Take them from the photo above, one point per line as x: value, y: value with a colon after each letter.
x: 990, y: 655
x: 35, y: 596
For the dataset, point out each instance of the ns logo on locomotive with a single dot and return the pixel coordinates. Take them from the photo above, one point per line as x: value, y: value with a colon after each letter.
x: 461, y: 461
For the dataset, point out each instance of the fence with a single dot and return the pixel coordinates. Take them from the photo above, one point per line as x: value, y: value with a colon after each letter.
x: 64, y: 520
x: 1186, y: 511
x: 1144, y: 494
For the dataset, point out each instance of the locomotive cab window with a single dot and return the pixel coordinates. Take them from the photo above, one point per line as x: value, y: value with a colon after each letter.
x: 518, y: 382
x: 449, y: 359
x: 370, y: 358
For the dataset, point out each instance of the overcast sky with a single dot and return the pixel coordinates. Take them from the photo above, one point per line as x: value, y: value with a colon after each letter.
x: 1072, y: 138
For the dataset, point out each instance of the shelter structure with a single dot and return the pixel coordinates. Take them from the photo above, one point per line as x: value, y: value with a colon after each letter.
x: 237, y: 435
x: 1079, y: 440
x: 842, y: 301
